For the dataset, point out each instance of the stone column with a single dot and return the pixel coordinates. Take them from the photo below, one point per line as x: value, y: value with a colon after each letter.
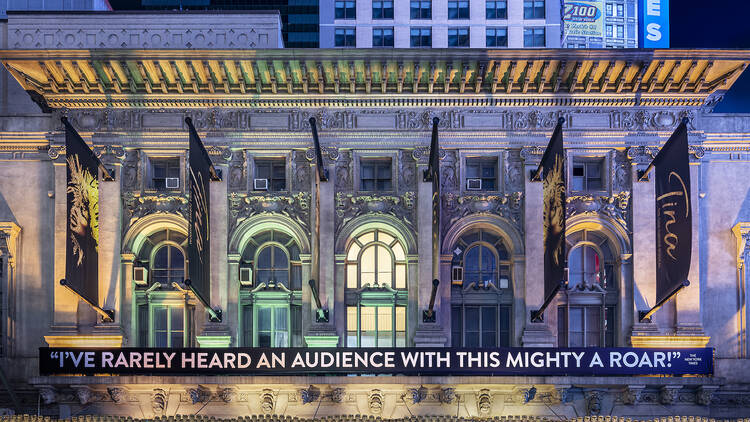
x: 231, y: 316
x: 110, y: 210
x: 427, y: 334
x: 644, y: 252
x: 535, y: 334
x: 688, y: 301
x: 128, y: 309
x: 218, y: 334
x: 65, y: 305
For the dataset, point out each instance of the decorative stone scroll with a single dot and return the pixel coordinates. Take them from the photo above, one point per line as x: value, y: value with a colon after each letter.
x: 350, y: 206
x: 295, y: 206
x: 508, y: 206
x: 616, y: 207
x: 136, y: 206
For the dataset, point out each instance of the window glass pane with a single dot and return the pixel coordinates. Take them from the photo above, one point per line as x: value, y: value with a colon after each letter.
x: 456, y: 326
x: 367, y: 238
x: 385, y: 238
x: 471, y: 326
x: 575, y: 267
x: 281, y: 328
x: 593, y: 321
x: 177, y: 316
x: 472, y: 266
x: 161, y: 258
x: 575, y: 324
x: 351, y: 276
x: 264, y: 258
x: 488, y: 266
x: 504, y: 327
x: 384, y: 259
x: 351, y: 326
x: 489, y: 326
x: 400, y: 276
x: 280, y: 260
x: 367, y: 326
x: 264, y: 318
x: 398, y: 252
x: 353, y: 252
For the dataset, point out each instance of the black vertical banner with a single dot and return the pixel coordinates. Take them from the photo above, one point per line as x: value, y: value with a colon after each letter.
x: 199, y: 238
x: 554, y: 177
x: 434, y: 168
x: 673, y: 215
x: 82, y: 233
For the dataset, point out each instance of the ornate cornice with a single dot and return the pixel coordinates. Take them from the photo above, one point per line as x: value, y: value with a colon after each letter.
x: 235, y: 78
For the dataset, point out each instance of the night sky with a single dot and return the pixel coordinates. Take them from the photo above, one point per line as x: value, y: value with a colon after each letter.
x: 715, y: 24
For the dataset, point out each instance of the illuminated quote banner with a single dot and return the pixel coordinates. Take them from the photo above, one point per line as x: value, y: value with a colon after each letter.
x: 405, y: 361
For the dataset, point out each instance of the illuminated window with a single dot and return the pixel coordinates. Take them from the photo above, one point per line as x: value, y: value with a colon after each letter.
x: 587, y: 308
x: 168, y: 265
x: 481, y: 293
x: 376, y: 296
x: 271, y: 305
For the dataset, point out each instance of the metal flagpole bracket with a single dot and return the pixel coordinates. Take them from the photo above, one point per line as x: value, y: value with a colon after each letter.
x: 429, y: 314
x: 108, y: 315
x: 321, y: 315
x: 322, y: 171
x: 538, y: 315
x: 214, y: 314
x: 645, y: 316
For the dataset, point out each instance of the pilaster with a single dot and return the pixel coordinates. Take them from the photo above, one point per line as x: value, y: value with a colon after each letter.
x: 218, y: 241
x: 65, y: 303
x: 110, y: 287
x: 535, y: 334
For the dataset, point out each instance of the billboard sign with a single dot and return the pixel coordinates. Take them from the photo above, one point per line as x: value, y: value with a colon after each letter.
x: 654, y: 23
x: 584, y: 18
x: 526, y: 361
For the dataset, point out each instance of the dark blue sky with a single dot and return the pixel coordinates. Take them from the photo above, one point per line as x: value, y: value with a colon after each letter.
x: 715, y: 24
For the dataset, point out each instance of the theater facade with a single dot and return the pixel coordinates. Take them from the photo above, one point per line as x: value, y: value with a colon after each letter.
x: 365, y: 236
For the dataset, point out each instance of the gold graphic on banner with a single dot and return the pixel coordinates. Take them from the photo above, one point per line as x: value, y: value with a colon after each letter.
x: 554, y: 210
x: 84, y: 211
x: 671, y: 239
x: 199, y: 211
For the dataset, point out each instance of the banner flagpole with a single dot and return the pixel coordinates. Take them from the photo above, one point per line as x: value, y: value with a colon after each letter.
x: 432, y: 174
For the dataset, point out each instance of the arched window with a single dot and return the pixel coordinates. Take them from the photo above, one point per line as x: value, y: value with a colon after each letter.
x: 165, y: 309
x: 587, y: 309
x: 271, y: 295
x: 481, y: 293
x: 376, y: 297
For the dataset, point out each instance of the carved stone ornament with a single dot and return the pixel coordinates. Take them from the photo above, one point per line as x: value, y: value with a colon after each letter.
x: 616, y: 207
x: 324, y: 119
x: 343, y: 177
x: 109, y: 154
x: 267, y: 401
x: 593, y: 403
x: 705, y: 395
x: 310, y: 394
x: 631, y: 395
x: 86, y: 395
x: 508, y: 206
x: 301, y: 171
x: 217, y: 118
x: 667, y: 395
x: 136, y: 206
x: 376, y: 402
x: 532, y: 154
x: 533, y: 119
x: 56, y: 151
x: 484, y: 402
x: 131, y: 173
x: 337, y: 395
x: 117, y: 394
x: 449, y: 172
x: 418, y: 395
x: 227, y: 395
x: 514, y: 171
x: 159, y: 401
x: 407, y: 171
x: 350, y: 206
x: 237, y: 179
x: 447, y: 395
x: 642, y: 154
x: 198, y: 395
x: 48, y: 394
x: 295, y: 206
x: 422, y: 120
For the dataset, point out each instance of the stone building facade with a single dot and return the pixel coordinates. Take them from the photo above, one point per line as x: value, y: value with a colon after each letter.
x: 371, y: 253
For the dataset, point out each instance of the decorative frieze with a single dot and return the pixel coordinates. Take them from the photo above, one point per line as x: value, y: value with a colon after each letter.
x: 350, y: 206
x: 136, y: 206
x: 295, y: 206
x: 615, y: 207
x: 508, y: 206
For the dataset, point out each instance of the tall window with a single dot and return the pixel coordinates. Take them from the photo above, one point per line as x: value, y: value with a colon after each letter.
x: 620, y: 10
x: 271, y: 305
x: 608, y: 8
x: 165, y: 310
x: 586, y: 314
x: 458, y: 9
x: 533, y: 37
x: 481, y: 293
x: 421, y: 37
x: 458, y: 37
x: 421, y: 9
x: 533, y: 9
x: 497, y: 37
x: 375, y: 174
x: 376, y: 295
x: 382, y: 37
x: 496, y: 9
x: 382, y: 9
x: 273, y: 171
x: 346, y: 9
x: 608, y: 31
x: 345, y: 37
